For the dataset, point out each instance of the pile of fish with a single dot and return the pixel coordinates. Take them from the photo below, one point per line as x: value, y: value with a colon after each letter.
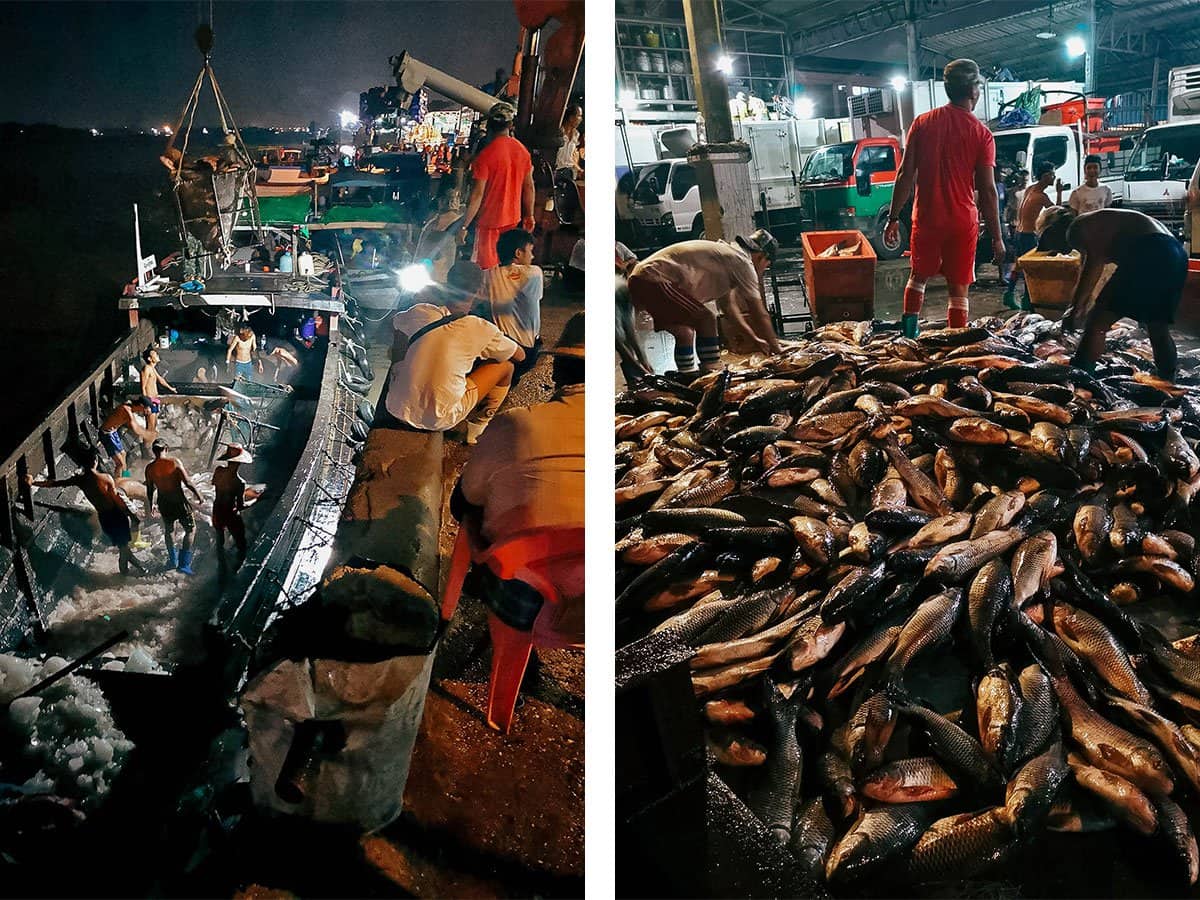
x: 922, y: 587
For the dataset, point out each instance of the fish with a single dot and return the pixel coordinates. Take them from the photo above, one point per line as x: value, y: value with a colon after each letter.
x: 812, y: 837
x: 711, y: 681
x: 1034, y: 788
x: 650, y: 550
x: 991, y: 590
x: 941, y: 530
x: 1092, y: 641
x: 878, y: 836
x: 1166, y: 734
x: 998, y: 707
x: 838, y: 781
x: 1038, y: 716
x: 979, y: 431
x: 928, y: 627
x: 747, y: 616
x: 857, y: 588
x: 814, y: 537
x: 960, y: 846
x: 864, y: 737
x: 1092, y: 524
x: 997, y: 513
x: 774, y: 800
x: 1177, y: 832
x: 728, y: 712
x: 872, y: 647
x: 924, y: 491
x: 812, y: 642
x: 737, y: 751
x: 751, y: 646
x: 1033, y: 564
x: 961, y: 754
x: 915, y: 780
x: 1119, y: 795
x: 957, y: 560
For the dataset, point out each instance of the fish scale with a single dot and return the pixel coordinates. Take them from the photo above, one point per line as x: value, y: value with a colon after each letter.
x: 774, y: 801
x: 749, y: 615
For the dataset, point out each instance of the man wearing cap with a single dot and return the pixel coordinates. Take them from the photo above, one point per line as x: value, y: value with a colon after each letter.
x: 681, y: 286
x: 949, y: 155
x: 450, y: 368
x: 229, y: 501
x: 167, y: 476
x: 528, y: 474
x: 501, y: 190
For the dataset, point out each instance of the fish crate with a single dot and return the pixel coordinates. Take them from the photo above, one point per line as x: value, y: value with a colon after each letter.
x: 839, y: 287
x: 1050, y: 278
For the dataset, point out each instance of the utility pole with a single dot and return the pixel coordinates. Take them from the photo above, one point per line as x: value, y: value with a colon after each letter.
x: 722, y: 170
x: 1089, y: 59
x: 1151, y: 107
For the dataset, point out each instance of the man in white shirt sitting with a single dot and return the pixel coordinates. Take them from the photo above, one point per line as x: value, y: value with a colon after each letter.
x: 515, y: 289
x: 451, y: 368
x: 1091, y: 195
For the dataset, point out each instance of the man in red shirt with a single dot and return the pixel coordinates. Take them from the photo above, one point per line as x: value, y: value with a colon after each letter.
x: 502, y: 189
x: 950, y: 154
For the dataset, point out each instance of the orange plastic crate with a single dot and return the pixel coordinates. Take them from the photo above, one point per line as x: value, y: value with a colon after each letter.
x: 839, y: 287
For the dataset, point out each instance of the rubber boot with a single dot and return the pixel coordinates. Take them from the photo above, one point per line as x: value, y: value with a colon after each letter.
x: 172, y: 559
x: 185, y: 561
x: 909, y: 325
x: 1010, y: 298
x: 138, y: 542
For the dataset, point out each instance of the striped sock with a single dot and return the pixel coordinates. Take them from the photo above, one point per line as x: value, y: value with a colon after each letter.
x: 914, y: 296
x: 710, y: 353
x: 956, y: 313
x: 685, y: 359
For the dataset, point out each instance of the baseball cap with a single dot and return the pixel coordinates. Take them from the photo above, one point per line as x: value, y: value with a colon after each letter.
x: 962, y: 71
x: 761, y: 241
x: 502, y: 112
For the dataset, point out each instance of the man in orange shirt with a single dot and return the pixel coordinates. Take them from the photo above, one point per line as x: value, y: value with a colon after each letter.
x: 950, y: 154
x: 502, y: 190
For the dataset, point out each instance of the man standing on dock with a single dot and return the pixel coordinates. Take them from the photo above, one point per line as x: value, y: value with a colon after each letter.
x: 101, y: 491
x: 949, y: 155
x: 168, y: 477
x: 502, y: 188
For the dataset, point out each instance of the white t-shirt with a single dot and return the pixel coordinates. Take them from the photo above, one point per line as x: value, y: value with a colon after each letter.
x: 568, y: 154
x: 428, y: 388
x: 515, y: 293
x: 1086, y: 199
x: 410, y: 321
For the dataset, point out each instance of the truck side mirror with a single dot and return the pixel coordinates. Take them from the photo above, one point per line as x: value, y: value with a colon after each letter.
x: 862, y: 181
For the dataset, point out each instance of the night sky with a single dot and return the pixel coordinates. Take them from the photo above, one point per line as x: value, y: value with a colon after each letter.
x: 91, y: 65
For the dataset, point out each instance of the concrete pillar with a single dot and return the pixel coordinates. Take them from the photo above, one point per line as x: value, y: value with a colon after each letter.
x: 722, y: 169
x: 910, y: 34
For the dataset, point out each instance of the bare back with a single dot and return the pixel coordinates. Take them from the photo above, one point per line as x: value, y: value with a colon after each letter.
x: 229, y: 486
x: 1103, y: 232
x: 100, y: 490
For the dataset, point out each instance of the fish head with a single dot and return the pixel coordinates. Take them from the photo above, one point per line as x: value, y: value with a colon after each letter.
x: 846, y: 855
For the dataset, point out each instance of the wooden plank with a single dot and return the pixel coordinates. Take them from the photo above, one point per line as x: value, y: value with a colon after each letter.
x: 94, y: 406
x: 27, y: 582
x: 48, y: 452
x: 24, y: 492
x: 6, y: 524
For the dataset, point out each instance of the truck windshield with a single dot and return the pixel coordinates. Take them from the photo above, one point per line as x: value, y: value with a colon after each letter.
x: 1168, y: 154
x: 1007, y: 148
x: 651, y: 183
x: 833, y: 163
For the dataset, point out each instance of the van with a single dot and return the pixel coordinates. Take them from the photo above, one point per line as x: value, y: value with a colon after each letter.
x: 664, y: 206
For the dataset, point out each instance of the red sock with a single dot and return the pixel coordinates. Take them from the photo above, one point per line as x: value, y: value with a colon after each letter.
x: 914, y: 298
x: 956, y: 313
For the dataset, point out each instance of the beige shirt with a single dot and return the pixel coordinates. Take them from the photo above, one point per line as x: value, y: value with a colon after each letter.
x: 527, y: 470
x: 705, y: 270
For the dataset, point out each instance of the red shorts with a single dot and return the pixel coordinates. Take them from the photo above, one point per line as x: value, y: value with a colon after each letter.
x: 666, y: 304
x: 485, y: 245
x: 944, y: 250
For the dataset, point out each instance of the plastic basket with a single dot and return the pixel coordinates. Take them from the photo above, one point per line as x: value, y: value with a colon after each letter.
x: 1050, y: 279
x: 839, y: 287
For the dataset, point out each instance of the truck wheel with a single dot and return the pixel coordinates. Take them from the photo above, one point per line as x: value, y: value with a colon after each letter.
x: 882, y: 250
x: 698, y: 228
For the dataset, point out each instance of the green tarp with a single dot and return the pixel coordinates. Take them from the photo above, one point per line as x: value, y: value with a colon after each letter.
x: 291, y: 210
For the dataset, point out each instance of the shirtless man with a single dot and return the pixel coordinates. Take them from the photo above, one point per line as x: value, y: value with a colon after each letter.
x: 1151, y: 271
x: 101, y: 492
x: 123, y: 417
x: 243, y: 350
x: 151, y: 380
x: 229, y: 502
x: 168, y: 477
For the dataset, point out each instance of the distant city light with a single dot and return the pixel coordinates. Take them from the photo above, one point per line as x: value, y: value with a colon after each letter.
x: 166, y: 129
x: 627, y: 99
x: 899, y: 82
x: 348, y: 118
x: 725, y: 64
x: 1076, y: 46
x: 804, y: 108
x: 204, y: 130
x: 154, y: 131
x: 95, y: 132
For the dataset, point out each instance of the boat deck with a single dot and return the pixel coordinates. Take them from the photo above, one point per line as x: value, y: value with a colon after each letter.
x: 165, y: 611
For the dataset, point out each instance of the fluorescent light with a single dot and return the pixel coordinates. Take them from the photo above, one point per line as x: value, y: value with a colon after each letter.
x: 725, y: 64
x: 899, y: 82
x: 414, y: 278
x: 348, y: 118
x: 1047, y: 35
x: 804, y: 108
x: 1076, y: 46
